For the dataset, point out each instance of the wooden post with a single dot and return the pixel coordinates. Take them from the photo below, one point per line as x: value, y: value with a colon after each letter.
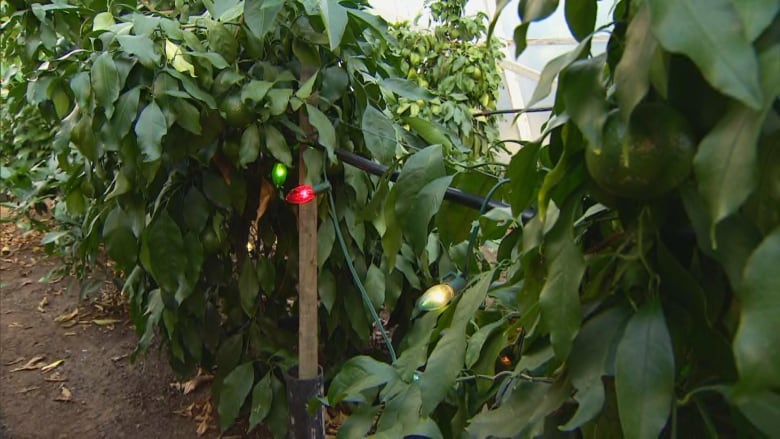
x: 307, y: 269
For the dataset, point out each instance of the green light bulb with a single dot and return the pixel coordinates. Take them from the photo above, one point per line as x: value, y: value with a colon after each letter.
x: 279, y: 174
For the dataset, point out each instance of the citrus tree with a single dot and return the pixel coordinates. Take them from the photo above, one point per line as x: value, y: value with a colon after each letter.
x: 640, y: 300
x: 168, y: 127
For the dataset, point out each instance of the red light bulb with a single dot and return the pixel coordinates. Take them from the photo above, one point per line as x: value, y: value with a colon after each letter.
x: 300, y: 195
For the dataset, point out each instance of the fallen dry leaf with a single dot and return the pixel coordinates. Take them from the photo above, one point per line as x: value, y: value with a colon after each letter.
x: 52, y: 365
x: 30, y: 365
x: 43, y: 303
x: 105, y: 322
x: 119, y: 357
x: 15, y: 325
x: 67, y: 317
x: 65, y: 395
x: 69, y: 334
x: 55, y: 378
x: 12, y: 362
x: 28, y: 389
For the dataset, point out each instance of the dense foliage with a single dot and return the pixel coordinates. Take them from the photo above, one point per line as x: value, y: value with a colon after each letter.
x: 639, y: 300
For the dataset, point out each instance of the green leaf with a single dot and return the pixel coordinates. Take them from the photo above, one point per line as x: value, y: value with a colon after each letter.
x: 432, y: 134
x: 80, y: 84
x: 250, y: 145
x: 379, y: 134
x: 162, y: 241
x: 187, y: 115
x: 756, y: 15
x: 375, y: 286
x: 421, y: 188
x: 632, y: 74
x: 477, y: 341
x: 278, y: 98
x: 103, y: 21
x: 105, y: 82
x: 358, y: 423
x: 327, y: 134
x: 326, y: 236
x: 584, y: 95
x: 195, y: 211
x: 213, y: 58
x: 588, y: 362
x: 326, y: 286
x: 551, y: 70
x: 525, y: 178
x: 277, y: 145
x: 535, y: 10
x: 126, y: 112
x: 644, y: 373
x: 514, y: 414
x: 334, y: 17
x: 762, y: 409
x: 726, y: 163
x: 260, y: 15
x: 710, y: 33
x: 580, y: 17
x: 560, y: 298
x: 216, y: 190
x: 406, y: 88
x: 759, y: 329
x: 248, y: 287
x: 356, y: 375
x: 235, y: 389
x: 142, y: 47
x: 255, y: 90
x: 121, y: 243
x: 149, y: 130
x: 262, y: 398
x: 447, y: 359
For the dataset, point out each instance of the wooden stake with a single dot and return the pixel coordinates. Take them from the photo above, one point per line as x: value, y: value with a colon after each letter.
x: 307, y: 269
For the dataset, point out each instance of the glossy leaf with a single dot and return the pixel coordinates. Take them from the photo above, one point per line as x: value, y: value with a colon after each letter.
x: 196, y: 210
x: 762, y: 409
x: 235, y: 389
x: 513, y: 416
x: 167, y: 257
x: 149, y: 130
x: 559, y: 298
x: 432, y: 134
x: 356, y: 375
x: 759, y: 329
x: 375, y: 286
x: 335, y: 18
x: 632, y: 74
x: 121, y: 243
x: 551, y: 70
x: 421, y: 187
x: 105, y: 82
x: 584, y: 95
x: 249, y: 147
x: 249, y: 288
x: 142, y: 47
x: 644, y: 373
x: 379, y: 134
x: 535, y: 10
x: 126, y: 112
x: 262, y: 398
x: 187, y: 115
x: 446, y: 360
x: 756, y: 15
x: 523, y: 172
x: 580, y: 17
x: 588, y: 362
x: 327, y: 134
x: 726, y: 162
x: 406, y: 88
x: 711, y: 34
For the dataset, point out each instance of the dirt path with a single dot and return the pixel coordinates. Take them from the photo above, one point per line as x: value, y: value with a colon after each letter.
x: 94, y: 392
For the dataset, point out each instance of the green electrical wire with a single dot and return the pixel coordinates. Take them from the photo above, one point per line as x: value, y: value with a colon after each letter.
x: 355, y: 277
x: 475, y: 227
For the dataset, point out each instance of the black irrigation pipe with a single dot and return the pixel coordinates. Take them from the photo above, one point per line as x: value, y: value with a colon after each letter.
x: 453, y: 194
x: 514, y: 111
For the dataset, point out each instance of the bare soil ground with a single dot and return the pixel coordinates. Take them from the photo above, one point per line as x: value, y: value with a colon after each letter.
x: 67, y: 374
